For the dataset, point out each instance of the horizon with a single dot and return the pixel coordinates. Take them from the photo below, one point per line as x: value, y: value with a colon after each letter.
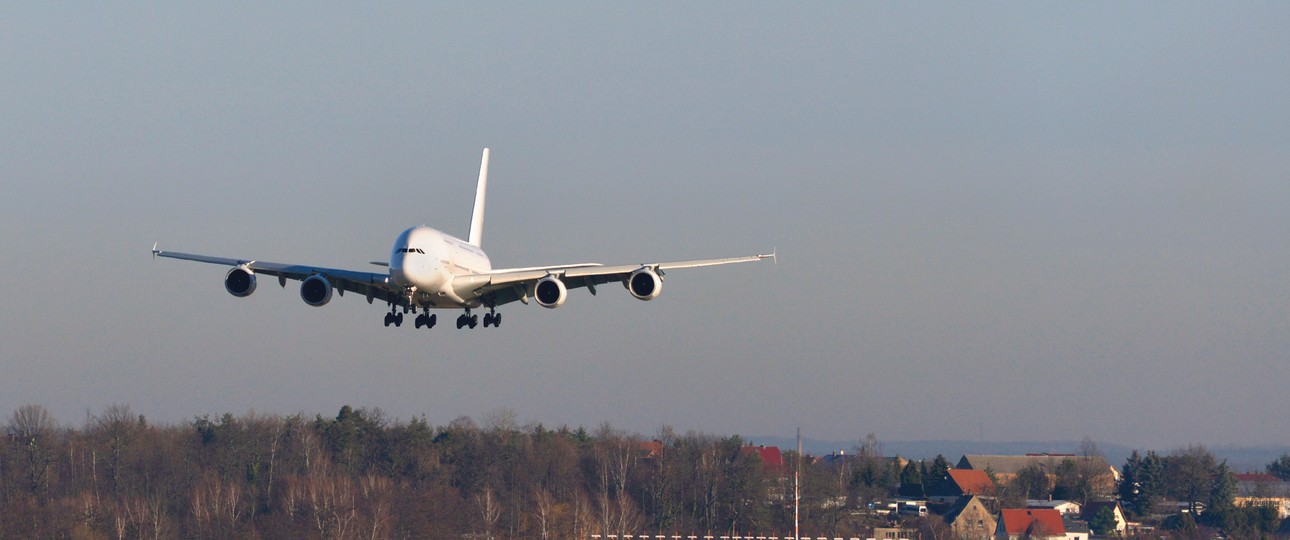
x: 1242, y: 457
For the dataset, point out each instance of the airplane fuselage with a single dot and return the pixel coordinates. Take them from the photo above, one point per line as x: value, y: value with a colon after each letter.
x: 425, y: 260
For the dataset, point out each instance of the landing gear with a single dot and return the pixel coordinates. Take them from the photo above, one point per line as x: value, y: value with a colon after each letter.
x: 467, y: 320
x: 393, y: 318
x: 427, y: 320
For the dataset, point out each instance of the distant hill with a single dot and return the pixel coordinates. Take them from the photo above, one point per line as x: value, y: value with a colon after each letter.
x: 1239, y: 458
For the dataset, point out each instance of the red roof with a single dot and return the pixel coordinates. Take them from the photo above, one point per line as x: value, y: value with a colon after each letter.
x: 650, y: 450
x: 972, y: 482
x: 1032, y: 522
x: 771, y: 459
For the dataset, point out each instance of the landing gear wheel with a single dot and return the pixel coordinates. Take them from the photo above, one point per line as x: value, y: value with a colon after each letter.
x: 420, y: 320
x: 430, y: 320
x: 497, y: 320
x: 461, y: 321
x: 474, y: 321
x: 398, y: 319
x: 488, y: 320
x: 389, y: 318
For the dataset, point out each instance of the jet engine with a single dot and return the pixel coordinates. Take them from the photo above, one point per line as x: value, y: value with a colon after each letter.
x: 240, y: 281
x: 644, y: 284
x: 550, y: 292
x: 315, y: 290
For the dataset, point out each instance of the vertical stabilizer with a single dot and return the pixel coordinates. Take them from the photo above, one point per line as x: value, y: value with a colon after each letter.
x: 477, y: 218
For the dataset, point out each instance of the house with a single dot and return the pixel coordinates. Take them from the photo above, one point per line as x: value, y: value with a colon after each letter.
x: 969, y: 519
x: 1005, y: 468
x: 1075, y: 529
x: 772, y: 460
x: 1263, y: 490
x: 962, y: 482
x: 1065, y: 507
x: 892, y: 533
x: 1035, y: 524
x: 1091, y: 509
x: 649, y: 451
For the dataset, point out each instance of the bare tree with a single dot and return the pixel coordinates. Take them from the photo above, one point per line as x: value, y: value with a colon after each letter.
x: 117, y: 427
x: 543, y: 510
x: 490, y: 510
x: 377, y: 492
x: 33, y: 431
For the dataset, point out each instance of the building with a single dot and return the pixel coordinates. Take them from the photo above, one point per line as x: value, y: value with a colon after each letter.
x: 772, y: 460
x: 892, y: 533
x: 1065, y: 507
x: 970, y: 520
x: 962, y: 482
x: 1263, y: 490
x: 1005, y: 468
x: 1034, y: 524
x: 1091, y: 509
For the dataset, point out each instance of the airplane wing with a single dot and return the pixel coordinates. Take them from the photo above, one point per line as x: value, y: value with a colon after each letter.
x: 369, y: 284
x: 507, y: 286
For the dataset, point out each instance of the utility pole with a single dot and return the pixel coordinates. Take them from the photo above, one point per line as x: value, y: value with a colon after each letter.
x: 797, y: 497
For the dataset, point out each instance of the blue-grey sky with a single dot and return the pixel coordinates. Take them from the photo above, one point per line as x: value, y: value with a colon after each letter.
x: 1011, y: 220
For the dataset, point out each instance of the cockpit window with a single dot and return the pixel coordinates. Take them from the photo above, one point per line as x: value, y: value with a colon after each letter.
x: 411, y: 250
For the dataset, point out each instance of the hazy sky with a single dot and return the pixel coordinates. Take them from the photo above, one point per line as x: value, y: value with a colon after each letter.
x: 1011, y: 220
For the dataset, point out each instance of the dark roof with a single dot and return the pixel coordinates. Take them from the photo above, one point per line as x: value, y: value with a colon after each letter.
x: 952, y: 513
x: 1012, y: 464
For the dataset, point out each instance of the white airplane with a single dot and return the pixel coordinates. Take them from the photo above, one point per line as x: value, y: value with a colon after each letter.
x: 430, y: 269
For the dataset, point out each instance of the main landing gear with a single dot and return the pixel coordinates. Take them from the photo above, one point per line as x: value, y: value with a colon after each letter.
x: 467, y: 320
x: 427, y: 320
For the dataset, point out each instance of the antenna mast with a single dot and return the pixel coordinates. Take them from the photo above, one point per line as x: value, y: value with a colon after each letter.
x: 797, y: 471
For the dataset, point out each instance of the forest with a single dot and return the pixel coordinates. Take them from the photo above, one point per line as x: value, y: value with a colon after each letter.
x: 362, y: 475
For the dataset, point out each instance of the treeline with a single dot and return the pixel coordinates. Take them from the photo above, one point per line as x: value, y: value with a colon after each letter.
x: 361, y: 475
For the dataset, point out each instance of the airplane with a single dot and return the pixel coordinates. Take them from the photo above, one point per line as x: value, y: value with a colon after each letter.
x: 429, y: 269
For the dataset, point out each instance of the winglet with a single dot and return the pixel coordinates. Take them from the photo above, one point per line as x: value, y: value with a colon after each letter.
x: 477, y: 218
x: 155, y: 251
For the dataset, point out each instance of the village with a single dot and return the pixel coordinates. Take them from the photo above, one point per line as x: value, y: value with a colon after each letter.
x: 1033, y: 496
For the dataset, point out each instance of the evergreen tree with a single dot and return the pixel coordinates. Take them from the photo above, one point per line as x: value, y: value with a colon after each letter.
x: 938, y: 473
x: 1281, y: 467
x: 1143, y: 482
x: 911, y: 480
x: 1222, y: 495
x: 1103, y: 522
x: 1128, y: 488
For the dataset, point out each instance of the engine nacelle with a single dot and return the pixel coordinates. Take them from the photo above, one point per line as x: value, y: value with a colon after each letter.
x: 315, y: 290
x: 550, y: 292
x: 645, y: 284
x: 240, y: 281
